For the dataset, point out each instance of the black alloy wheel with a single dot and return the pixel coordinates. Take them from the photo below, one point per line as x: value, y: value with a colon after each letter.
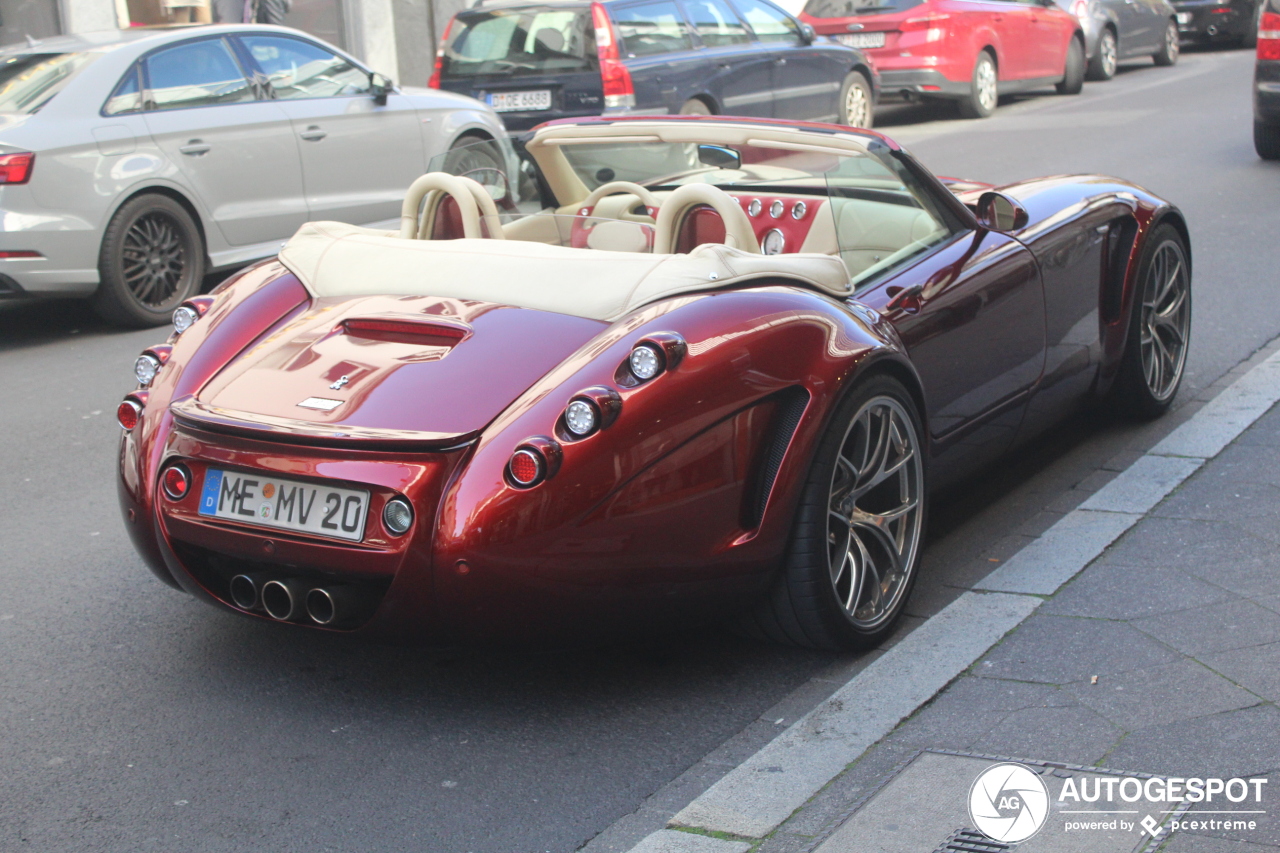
x: 152, y: 258
x: 1103, y: 64
x: 857, y: 535
x: 1073, y: 72
x: 984, y: 89
x: 857, y: 109
x: 1170, y: 48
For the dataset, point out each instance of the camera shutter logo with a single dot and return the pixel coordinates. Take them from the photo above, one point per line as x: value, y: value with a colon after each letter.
x: 1008, y: 802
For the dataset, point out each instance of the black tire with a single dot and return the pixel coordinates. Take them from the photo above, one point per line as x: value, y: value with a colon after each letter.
x: 1266, y: 140
x: 1133, y: 394
x: 1250, y: 37
x: 807, y: 605
x: 857, y: 109
x: 151, y: 259
x: 1170, y: 48
x: 695, y: 107
x: 1073, y: 73
x: 1103, y: 64
x: 984, y: 89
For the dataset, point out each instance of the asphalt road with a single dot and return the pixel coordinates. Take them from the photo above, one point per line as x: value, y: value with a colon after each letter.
x: 133, y: 718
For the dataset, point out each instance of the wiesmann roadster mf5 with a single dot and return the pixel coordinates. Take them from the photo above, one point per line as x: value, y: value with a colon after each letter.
x: 646, y: 367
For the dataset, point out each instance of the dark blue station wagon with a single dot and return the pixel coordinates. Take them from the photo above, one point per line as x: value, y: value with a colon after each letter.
x: 533, y: 62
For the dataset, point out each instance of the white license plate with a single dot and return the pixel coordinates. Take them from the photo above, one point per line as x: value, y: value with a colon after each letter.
x: 510, y: 101
x: 285, y: 504
x: 861, y: 39
x: 1184, y: 17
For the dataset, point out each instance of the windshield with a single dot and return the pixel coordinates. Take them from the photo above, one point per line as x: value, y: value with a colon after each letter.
x: 29, y: 80
x: 850, y: 8
x: 530, y: 40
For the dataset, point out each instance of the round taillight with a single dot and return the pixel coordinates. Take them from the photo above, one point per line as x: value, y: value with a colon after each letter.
x: 526, y: 467
x: 645, y: 362
x: 176, y: 481
x: 183, y: 318
x: 397, y: 516
x: 145, y: 369
x: 128, y: 414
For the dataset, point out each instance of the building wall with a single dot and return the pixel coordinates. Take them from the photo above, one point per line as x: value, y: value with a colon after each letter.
x: 419, y: 25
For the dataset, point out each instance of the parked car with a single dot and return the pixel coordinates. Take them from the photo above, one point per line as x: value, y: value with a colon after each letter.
x: 538, y: 61
x: 968, y: 51
x: 723, y: 380
x: 1117, y: 30
x: 1216, y: 21
x: 132, y: 163
x: 1266, y: 85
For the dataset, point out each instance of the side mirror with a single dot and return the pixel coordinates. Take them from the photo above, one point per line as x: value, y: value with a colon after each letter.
x: 380, y: 86
x: 999, y: 212
x: 808, y: 34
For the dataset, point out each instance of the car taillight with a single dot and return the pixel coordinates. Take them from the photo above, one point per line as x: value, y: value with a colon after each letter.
x: 176, y: 481
x: 16, y: 168
x: 618, y: 89
x: 129, y: 412
x: 1269, y: 37
x: 927, y: 22
x: 434, y: 82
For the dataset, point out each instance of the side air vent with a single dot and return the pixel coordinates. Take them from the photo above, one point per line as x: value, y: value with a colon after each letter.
x: 971, y: 841
x: 1119, y: 249
x: 786, y: 417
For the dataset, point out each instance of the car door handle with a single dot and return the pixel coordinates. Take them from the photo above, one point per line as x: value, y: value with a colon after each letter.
x: 908, y: 299
x: 314, y: 134
x: 781, y: 60
x: 724, y: 66
x: 195, y: 148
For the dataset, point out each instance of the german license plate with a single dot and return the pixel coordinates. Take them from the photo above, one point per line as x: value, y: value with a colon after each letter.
x: 285, y: 504
x: 1184, y: 17
x: 503, y: 102
x: 861, y: 39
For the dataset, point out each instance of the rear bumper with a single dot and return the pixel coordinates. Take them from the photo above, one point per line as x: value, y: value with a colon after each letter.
x: 921, y: 82
x: 1213, y: 22
x: 67, y: 246
x: 1266, y: 93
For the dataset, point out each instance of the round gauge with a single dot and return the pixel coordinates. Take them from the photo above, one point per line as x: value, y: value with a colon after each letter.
x: 775, y: 209
x: 773, y: 242
x: 798, y: 210
x: 754, y: 207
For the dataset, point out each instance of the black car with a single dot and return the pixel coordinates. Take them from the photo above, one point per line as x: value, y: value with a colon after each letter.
x: 1212, y: 21
x: 533, y: 62
x: 1266, y: 84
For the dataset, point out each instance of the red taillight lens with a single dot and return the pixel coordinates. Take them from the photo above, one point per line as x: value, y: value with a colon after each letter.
x: 927, y: 22
x: 527, y: 467
x: 16, y: 168
x: 128, y: 414
x: 20, y: 253
x: 434, y: 82
x: 614, y: 76
x: 1269, y: 37
x: 176, y: 481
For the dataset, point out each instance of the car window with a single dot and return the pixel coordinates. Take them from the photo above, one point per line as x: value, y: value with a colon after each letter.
x: 196, y: 74
x: 769, y: 23
x: 127, y: 97
x: 300, y: 69
x: 28, y: 81
x: 715, y: 23
x: 849, y: 8
x: 651, y: 28
x: 519, y: 42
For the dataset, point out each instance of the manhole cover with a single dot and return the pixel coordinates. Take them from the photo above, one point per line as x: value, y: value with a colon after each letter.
x: 924, y: 806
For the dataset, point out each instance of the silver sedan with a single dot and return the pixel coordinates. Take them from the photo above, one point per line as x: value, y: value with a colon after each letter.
x: 132, y: 163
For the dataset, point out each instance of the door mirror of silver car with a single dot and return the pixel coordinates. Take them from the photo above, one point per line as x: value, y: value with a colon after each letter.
x: 380, y: 86
x: 807, y: 33
x: 999, y: 212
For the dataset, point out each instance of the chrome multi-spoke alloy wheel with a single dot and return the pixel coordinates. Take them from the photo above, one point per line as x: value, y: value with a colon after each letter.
x: 1165, y: 320
x: 875, y: 513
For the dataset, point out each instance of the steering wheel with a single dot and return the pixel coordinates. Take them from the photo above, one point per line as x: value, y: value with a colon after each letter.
x: 474, y: 207
x: 648, y: 199
x: 738, y: 233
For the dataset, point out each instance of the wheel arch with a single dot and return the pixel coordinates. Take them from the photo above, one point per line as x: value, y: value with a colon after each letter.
x: 864, y: 68
x: 176, y: 195
x: 707, y: 99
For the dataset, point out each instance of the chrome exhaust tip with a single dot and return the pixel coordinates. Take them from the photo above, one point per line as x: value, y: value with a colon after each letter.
x: 244, y: 591
x: 337, y: 605
x: 284, y: 599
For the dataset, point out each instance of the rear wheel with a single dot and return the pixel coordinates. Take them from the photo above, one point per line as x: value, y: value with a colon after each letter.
x: 152, y: 258
x: 1103, y: 65
x: 1159, y: 328
x: 855, y: 543
x: 1266, y: 140
x: 1073, y: 72
x: 695, y: 107
x: 856, y: 106
x: 1170, y: 47
x: 984, y: 89
x: 1250, y: 38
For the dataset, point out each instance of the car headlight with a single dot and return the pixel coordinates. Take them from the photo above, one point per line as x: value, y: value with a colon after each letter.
x: 146, y: 368
x: 646, y: 362
x: 581, y: 418
x: 184, y: 317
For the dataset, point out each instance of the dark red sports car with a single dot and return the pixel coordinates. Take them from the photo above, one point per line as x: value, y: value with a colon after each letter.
x: 650, y: 367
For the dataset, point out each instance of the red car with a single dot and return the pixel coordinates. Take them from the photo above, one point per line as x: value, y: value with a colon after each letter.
x: 683, y: 365
x: 969, y: 51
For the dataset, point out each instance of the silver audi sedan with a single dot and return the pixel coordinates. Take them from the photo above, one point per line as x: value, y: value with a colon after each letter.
x: 132, y: 163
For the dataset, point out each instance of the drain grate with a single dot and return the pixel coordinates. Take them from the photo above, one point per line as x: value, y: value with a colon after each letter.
x: 971, y: 841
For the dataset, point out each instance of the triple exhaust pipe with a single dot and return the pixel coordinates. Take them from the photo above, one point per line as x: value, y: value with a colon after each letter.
x: 296, y: 600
